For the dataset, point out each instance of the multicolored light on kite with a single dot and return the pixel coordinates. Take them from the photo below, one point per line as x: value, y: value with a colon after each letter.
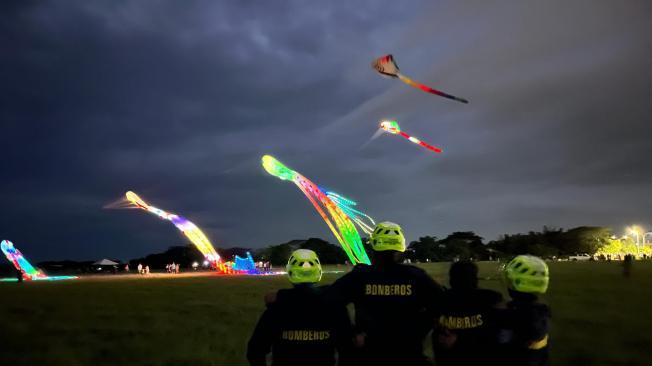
x: 364, y: 221
x: 28, y: 272
x: 393, y: 128
x: 190, y: 230
x: 18, y: 260
x: 245, y: 264
x: 387, y: 66
x: 336, y: 219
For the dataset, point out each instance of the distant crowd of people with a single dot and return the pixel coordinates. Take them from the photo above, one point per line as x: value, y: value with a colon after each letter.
x: 264, y: 266
x: 143, y: 270
x: 172, y: 268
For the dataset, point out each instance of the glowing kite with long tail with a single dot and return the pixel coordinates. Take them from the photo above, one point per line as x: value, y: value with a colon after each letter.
x: 190, y: 230
x: 364, y: 221
x: 28, y: 272
x: 338, y: 221
x: 393, y: 128
x: 386, y: 66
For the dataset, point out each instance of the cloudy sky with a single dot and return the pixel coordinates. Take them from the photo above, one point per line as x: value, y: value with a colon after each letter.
x: 178, y: 100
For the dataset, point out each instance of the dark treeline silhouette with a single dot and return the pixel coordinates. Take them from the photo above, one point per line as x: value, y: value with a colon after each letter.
x: 183, y: 255
x: 547, y: 243
x: 279, y: 254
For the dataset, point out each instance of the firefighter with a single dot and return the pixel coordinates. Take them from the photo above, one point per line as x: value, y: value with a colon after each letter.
x: 525, y: 323
x: 465, y: 332
x: 299, y: 327
x: 394, y: 303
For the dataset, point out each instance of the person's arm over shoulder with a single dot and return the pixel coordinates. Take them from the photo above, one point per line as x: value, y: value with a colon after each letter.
x: 491, y: 298
x: 343, y: 290
x: 260, y: 343
x: 429, y: 289
x: 344, y: 336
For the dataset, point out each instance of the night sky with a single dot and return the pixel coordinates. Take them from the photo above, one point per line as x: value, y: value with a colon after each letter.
x: 178, y: 100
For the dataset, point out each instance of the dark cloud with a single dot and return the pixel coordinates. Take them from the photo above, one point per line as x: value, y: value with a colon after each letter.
x: 178, y: 101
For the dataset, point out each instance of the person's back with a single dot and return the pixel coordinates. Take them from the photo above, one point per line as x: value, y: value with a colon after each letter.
x: 466, y: 329
x: 394, y: 303
x: 525, y: 323
x: 300, y: 328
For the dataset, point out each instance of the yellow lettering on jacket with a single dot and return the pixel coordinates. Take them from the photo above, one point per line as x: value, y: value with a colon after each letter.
x: 461, y: 322
x: 388, y: 290
x: 305, y: 335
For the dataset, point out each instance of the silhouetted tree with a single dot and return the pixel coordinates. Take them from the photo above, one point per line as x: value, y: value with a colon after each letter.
x: 423, y: 250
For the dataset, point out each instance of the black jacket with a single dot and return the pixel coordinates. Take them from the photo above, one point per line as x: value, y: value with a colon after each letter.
x: 300, y: 328
x: 525, y: 326
x: 395, y: 306
x: 466, y: 330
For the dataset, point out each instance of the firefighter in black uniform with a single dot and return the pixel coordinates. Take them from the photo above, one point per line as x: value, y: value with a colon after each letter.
x: 525, y: 323
x: 394, y: 303
x: 465, y: 332
x: 299, y: 327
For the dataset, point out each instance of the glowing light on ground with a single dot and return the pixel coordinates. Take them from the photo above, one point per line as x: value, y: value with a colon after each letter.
x: 245, y: 264
x: 29, y: 273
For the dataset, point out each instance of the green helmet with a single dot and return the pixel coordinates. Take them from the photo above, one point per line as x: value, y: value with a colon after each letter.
x: 304, y: 267
x: 387, y: 236
x: 527, y: 273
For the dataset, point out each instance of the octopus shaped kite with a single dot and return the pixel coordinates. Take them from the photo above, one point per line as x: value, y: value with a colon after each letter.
x: 364, y: 221
x: 336, y: 219
x: 386, y: 66
x: 393, y: 128
x: 190, y: 230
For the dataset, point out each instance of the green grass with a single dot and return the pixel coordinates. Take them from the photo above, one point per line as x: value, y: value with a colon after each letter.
x: 599, y: 318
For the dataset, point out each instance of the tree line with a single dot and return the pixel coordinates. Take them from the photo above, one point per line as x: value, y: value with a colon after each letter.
x: 547, y: 243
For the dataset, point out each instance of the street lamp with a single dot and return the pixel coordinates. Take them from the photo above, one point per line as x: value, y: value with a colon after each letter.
x: 634, y: 231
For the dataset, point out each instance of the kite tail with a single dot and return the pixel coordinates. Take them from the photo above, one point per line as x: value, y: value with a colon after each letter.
x: 428, y: 89
x: 419, y: 142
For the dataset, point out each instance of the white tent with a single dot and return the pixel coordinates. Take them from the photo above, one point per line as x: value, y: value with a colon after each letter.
x: 105, y: 262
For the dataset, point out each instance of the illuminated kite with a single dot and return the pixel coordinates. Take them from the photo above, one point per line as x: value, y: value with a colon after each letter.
x: 26, y: 269
x: 393, y: 128
x: 245, y: 264
x: 190, y: 230
x: 364, y: 221
x: 336, y: 219
x: 387, y: 66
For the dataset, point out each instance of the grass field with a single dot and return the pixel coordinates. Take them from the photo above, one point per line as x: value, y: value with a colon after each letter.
x: 599, y: 318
